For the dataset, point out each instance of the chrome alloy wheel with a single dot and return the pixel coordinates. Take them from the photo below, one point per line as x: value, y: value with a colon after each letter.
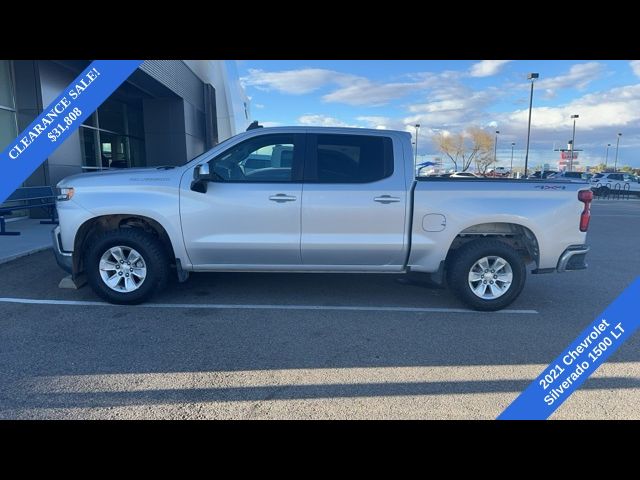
x: 122, y: 269
x: 490, y: 277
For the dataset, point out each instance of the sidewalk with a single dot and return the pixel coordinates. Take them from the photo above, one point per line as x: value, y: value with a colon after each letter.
x: 33, y: 238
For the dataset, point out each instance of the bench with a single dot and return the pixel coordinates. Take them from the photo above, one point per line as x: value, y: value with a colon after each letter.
x: 29, y: 198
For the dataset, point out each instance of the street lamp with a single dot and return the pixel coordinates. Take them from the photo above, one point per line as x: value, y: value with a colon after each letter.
x: 417, y: 125
x: 606, y: 157
x: 573, y: 141
x: 495, y: 148
x: 615, y: 168
x: 532, y: 77
x: 513, y: 144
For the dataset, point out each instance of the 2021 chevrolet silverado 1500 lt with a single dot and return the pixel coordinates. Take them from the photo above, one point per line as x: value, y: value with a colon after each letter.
x: 297, y: 199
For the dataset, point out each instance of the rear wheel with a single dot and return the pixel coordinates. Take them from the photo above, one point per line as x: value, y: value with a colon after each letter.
x: 126, y: 266
x: 486, y: 274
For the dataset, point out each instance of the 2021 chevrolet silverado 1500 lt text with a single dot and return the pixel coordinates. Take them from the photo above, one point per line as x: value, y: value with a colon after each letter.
x: 297, y: 199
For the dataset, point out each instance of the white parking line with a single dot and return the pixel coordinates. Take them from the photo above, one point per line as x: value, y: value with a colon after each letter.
x: 220, y: 306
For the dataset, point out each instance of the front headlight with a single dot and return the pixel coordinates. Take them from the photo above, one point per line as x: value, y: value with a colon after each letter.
x: 65, y: 193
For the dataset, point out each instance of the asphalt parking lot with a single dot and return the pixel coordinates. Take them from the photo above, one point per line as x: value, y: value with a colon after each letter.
x: 309, y: 346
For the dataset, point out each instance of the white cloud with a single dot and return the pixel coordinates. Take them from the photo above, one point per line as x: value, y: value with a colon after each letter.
x: 487, y: 68
x: 347, y: 88
x: 375, y: 121
x: 579, y: 76
x: 322, y: 121
x: 294, y: 82
x: 270, y: 124
x: 451, y: 105
x: 635, y: 66
x: 361, y: 91
x: 602, y: 116
x: 613, y: 108
x: 257, y: 105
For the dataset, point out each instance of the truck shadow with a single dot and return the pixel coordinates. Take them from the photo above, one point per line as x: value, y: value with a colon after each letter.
x: 290, y: 392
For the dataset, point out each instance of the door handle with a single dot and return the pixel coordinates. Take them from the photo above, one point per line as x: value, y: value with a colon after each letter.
x: 386, y: 199
x: 281, y: 198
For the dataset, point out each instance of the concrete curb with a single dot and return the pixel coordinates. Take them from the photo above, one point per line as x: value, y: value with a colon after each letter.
x: 24, y: 254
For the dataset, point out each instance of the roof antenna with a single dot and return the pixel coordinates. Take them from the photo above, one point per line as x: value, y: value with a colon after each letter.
x: 254, y: 125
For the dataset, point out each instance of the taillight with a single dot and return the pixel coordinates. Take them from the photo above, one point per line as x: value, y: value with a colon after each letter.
x: 585, y: 196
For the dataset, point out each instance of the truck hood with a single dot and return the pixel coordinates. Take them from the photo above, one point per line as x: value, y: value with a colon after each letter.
x: 125, y: 176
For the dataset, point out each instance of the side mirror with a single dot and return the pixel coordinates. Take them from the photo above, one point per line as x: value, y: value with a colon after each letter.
x: 201, y: 178
x: 201, y: 173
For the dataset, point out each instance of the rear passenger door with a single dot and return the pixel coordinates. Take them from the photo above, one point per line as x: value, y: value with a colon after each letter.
x: 353, y: 202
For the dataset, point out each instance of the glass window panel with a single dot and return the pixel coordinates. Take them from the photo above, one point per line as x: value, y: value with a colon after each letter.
x: 114, y: 150
x: 111, y: 116
x: 6, y: 85
x: 91, y: 120
x: 7, y: 128
x: 353, y: 158
x: 266, y: 158
x: 137, y: 153
x: 88, y: 143
x: 134, y: 121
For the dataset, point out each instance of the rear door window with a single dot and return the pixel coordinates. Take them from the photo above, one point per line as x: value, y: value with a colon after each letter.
x: 348, y: 158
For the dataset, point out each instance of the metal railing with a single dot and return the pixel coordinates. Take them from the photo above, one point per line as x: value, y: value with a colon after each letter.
x: 617, y: 192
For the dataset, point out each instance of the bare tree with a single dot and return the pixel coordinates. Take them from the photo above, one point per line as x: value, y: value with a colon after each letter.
x: 464, y: 147
x: 483, y: 161
x: 451, y: 145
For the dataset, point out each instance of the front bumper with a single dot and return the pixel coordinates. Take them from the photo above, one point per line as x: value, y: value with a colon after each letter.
x: 573, y: 258
x: 64, y: 259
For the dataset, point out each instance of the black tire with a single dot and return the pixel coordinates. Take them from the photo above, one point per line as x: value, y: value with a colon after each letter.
x: 463, y: 259
x: 151, y: 250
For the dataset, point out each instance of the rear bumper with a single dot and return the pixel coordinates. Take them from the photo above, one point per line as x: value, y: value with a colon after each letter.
x: 573, y: 258
x: 64, y: 259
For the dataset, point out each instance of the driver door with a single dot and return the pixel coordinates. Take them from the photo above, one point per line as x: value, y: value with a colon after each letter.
x: 249, y: 216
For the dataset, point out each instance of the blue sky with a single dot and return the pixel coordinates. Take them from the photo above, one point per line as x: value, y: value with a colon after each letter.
x: 448, y: 96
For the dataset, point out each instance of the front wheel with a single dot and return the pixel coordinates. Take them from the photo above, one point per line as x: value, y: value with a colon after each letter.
x: 486, y: 274
x: 126, y: 266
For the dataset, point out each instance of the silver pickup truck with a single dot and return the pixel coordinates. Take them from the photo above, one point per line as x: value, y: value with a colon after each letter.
x: 300, y: 199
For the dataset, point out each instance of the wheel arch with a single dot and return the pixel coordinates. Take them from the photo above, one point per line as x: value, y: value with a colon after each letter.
x: 104, y: 223
x: 518, y: 236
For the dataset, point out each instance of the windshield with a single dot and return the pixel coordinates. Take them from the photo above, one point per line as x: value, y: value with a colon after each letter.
x: 598, y: 175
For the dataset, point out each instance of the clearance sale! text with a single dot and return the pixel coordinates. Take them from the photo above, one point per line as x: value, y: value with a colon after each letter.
x: 59, y: 118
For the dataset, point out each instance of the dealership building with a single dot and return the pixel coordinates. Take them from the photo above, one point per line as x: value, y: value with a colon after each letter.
x: 166, y: 113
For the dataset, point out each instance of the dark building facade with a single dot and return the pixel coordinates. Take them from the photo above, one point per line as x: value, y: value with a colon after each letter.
x: 164, y: 114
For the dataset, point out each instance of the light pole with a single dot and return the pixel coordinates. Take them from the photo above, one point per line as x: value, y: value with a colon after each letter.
x: 417, y: 125
x: 495, y: 148
x: 573, y: 141
x: 513, y: 144
x: 606, y: 157
x: 532, y: 77
x: 615, y: 168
